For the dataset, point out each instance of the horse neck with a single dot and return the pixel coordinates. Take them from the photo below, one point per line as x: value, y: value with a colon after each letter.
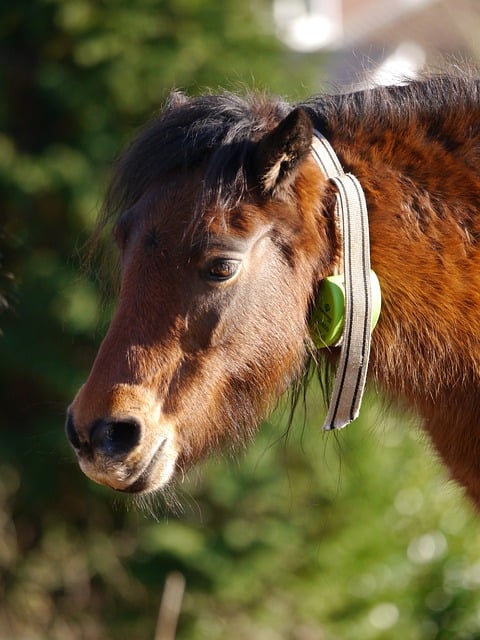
x: 419, y: 174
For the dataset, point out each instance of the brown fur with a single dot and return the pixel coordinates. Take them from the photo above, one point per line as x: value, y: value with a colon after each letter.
x: 197, y: 362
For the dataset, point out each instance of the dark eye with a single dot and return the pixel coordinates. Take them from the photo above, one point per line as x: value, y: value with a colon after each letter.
x: 222, y: 269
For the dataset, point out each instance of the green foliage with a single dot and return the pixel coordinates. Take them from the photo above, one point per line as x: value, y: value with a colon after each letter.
x: 351, y: 536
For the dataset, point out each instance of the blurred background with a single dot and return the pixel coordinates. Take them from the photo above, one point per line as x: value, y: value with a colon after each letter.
x: 310, y: 537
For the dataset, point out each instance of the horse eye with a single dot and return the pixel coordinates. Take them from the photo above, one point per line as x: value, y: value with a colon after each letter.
x: 222, y: 269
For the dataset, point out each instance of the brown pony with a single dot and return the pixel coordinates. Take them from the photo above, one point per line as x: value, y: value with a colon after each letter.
x: 225, y: 227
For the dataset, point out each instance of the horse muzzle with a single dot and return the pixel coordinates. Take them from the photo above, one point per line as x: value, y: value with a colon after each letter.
x: 123, y: 452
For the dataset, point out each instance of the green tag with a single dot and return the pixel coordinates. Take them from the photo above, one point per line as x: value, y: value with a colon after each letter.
x: 328, y: 316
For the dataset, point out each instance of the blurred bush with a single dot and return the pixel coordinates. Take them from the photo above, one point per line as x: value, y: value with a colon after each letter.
x: 349, y: 536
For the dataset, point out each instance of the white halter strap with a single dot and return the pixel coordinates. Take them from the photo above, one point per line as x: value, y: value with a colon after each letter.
x: 352, y: 221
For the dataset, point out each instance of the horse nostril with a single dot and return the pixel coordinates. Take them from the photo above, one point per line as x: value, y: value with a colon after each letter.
x: 71, y: 432
x: 112, y: 437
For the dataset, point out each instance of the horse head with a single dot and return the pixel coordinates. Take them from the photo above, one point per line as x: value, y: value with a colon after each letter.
x: 221, y: 223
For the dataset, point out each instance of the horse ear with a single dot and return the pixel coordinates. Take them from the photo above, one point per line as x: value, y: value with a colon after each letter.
x: 278, y: 155
x: 176, y: 99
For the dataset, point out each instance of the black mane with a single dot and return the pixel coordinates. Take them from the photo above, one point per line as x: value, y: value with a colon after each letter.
x: 429, y: 99
x: 219, y: 130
